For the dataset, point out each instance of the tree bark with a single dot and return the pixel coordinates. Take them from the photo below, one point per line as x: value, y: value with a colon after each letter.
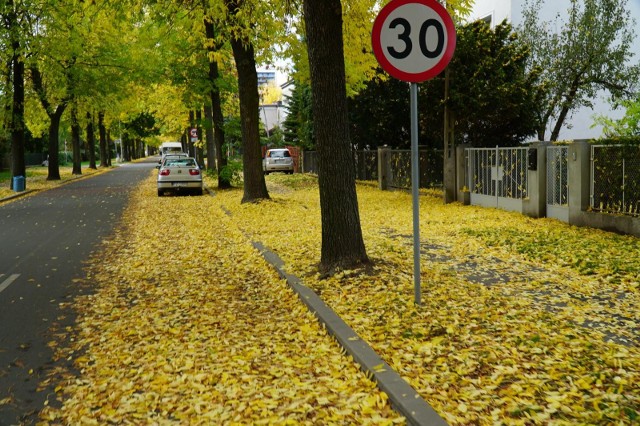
x: 91, y: 142
x: 18, y: 166
x: 53, y: 169
x: 102, y: 132
x: 75, y: 143
x: 342, y: 242
x: 199, y: 147
x: 209, y: 141
x: 255, y: 188
x: 109, y: 148
x: 564, y: 111
x: 218, y: 136
x: 55, y: 116
x: 216, y: 109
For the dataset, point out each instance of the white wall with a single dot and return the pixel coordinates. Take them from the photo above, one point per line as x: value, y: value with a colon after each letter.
x: 499, y: 10
x: 271, y: 115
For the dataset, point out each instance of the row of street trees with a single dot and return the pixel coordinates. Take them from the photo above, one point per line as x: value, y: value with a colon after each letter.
x: 136, y: 68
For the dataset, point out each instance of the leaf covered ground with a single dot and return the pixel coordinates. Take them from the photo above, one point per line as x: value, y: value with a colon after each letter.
x: 37, y: 179
x: 187, y: 324
x: 523, y: 321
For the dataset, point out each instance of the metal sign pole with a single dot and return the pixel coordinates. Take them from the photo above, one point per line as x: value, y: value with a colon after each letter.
x: 415, y: 183
x: 394, y: 45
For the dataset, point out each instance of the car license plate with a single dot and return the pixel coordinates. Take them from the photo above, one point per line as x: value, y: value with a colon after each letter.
x: 178, y: 184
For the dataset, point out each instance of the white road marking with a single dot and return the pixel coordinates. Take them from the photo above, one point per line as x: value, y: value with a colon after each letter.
x: 6, y: 283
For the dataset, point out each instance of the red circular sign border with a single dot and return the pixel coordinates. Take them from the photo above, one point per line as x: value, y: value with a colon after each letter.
x: 390, y: 68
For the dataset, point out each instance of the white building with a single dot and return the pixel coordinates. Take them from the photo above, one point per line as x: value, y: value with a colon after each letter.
x: 273, y: 115
x: 580, y: 124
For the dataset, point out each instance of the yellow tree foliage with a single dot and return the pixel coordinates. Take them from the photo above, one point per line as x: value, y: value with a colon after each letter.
x: 360, y: 63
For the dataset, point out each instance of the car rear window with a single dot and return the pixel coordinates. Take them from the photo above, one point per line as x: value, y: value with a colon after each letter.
x: 279, y: 154
x: 181, y: 163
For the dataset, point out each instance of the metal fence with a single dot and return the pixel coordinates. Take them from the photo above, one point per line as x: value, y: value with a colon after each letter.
x: 431, y: 165
x: 364, y: 162
x: 615, y: 183
x: 366, y: 167
x: 30, y: 159
x: 310, y: 162
x: 498, y: 172
x: 557, y: 176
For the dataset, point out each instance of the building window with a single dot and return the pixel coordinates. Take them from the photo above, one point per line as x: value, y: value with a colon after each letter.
x: 488, y: 19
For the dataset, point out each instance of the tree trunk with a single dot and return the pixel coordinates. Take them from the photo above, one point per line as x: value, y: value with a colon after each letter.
x: 218, y: 135
x: 18, y: 166
x: 54, y: 123
x: 102, y: 132
x: 126, y: 147
x: 255, y: 188
x: 216, y: 109
x: 91, y: 142
x: 54, y: 144
x: 75, y: 143
x: 108, y: 138
x: 564, y: 111
x: 342, y: 242
x: 209, y: 141
x: 191, y: 150
x: 199, y: 147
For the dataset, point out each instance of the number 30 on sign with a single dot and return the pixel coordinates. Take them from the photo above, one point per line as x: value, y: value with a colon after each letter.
x: 413, y: 40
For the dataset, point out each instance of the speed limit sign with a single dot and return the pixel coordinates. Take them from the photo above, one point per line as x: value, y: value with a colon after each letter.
x: 413, y: 40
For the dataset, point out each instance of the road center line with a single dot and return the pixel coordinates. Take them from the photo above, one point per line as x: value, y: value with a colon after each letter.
x: 6, y: 283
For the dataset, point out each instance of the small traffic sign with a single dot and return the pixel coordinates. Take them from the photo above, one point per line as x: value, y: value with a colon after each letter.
x: 413, y: 40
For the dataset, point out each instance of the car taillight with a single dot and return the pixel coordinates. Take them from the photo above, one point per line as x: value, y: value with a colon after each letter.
x: 194, y: 172
x: 165, y: 172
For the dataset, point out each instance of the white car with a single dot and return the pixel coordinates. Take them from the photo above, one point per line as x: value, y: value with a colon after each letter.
x: 180, y: 175
x: 277, y: 160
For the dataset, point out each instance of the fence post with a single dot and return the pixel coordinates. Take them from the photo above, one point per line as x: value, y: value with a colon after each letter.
x: 578, y: 171
x: 535, y: 203
x: 383, y: 168
x: 463, y: 193
x: 449, y: 180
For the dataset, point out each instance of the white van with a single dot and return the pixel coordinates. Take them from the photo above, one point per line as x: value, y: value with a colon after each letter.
x: 170, y: 148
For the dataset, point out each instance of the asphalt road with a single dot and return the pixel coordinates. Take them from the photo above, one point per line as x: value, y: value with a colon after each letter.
x: 45, y: 239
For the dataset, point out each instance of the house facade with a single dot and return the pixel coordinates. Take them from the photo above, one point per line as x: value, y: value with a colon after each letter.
x: 581, y: 124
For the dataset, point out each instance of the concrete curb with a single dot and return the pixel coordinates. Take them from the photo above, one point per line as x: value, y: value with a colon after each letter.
x: 16, y: 195
x: 402, y: 395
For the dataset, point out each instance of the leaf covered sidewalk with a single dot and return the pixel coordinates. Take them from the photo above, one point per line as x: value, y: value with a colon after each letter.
x: 188, y: 324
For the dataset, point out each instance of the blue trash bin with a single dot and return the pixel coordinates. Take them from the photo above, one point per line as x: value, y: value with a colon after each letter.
x: 18, y: 183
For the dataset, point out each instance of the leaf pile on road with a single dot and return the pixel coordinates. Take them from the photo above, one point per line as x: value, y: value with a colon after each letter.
x: 187, y: 324
x: 523, y: 321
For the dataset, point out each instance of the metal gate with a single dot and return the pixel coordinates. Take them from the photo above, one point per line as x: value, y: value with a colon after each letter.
x: 497, y: 177
x: 558, y: 183
x: 615, y: 179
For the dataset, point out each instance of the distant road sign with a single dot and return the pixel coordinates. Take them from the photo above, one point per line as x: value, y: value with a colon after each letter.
x: 413, y: 40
